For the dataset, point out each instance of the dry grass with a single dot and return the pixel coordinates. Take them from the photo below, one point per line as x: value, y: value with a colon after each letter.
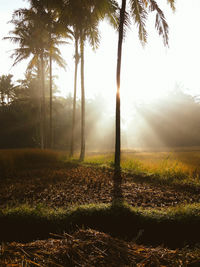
x: 175, y: 163
x: 12, y: 160
x: 92, y: 248
x: 186, y: 161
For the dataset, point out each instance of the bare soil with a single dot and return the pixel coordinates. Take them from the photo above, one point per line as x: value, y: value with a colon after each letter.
x: 63, y: 187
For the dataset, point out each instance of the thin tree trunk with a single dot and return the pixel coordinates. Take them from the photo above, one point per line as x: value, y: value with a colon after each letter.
x: 40, y: 106
x: 82, y: 154
x: 43, y: 102
x: 119, y: 55
x: 50, y: 103
x: 74, y: 100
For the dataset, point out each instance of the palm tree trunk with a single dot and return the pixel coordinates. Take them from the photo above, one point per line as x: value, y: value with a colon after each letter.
x: 82, y: 154
x: 40, y: 106
x: 119, y: 55
x: 74, y: 101
x: 43, y: 102
x: 50, y: 103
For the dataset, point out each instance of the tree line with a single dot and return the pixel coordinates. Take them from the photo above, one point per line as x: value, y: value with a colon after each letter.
x: 170, y: 122
x: 47, y: 23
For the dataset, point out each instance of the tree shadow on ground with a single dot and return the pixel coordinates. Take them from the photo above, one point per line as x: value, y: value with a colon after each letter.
x: 117, y: 194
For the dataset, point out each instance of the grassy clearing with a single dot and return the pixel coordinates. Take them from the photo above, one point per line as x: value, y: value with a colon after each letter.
x: 174, y: 164
x: 172, y: 227
x: 164, y: 167
x: 154, y: 167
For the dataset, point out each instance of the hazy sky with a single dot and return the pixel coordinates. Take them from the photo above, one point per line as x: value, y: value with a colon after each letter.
x: 147, y: 72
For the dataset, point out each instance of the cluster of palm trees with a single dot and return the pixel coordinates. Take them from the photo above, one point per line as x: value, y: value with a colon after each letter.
x: 47, y: 23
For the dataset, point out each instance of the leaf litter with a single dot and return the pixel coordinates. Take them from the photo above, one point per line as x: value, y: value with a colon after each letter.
x: 87, y: 247
x: 83, y: 185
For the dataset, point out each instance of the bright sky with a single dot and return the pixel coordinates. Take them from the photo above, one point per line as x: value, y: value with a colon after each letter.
x: 146, y: 72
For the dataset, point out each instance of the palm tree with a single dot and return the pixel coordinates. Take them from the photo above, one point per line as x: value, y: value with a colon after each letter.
x: 56, y: 32
x: 27, y: 37
x: 54, y: 55
x: 38, y: 33
x: 76, y: 59
x: 84, y: 17
x: 139, y: 10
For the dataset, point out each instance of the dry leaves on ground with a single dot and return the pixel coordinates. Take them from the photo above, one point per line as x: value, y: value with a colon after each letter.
x: 93, y: 248
x: 83, y: 185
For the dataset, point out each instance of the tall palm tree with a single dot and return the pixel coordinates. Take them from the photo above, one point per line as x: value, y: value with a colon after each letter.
x: 76, y: 61
x: 56, y: 32
x: 84, y: 17
x: 139, y: 10
x: 36, y: 36
x: 26, y: 36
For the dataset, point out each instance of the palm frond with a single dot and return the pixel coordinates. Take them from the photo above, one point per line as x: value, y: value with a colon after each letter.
x: 160, y: 23
x: 112, y: 14
x: 12, y: 39
x: 172, y: 4
x: 93, y: 36
x: 33, y: 63
x: 19, y: 58
x: 127, y: 23
x: 59, y: 60
x: 139, y: 15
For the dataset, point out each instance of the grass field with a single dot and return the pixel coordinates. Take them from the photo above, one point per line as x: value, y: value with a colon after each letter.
x: 186, y: 161
x: 45, y: 192
x: 175, y: 166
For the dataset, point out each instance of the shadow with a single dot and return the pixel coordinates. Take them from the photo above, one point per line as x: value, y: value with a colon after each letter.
x: 117, y: 194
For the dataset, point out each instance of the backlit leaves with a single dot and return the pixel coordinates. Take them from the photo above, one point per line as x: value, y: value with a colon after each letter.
x: 160, y: 23
x: 139, y: 14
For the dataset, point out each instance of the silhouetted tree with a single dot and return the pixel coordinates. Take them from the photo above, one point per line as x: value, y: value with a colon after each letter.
x: 84, y: 17
x: 38, y: 33
x: 139, y: 10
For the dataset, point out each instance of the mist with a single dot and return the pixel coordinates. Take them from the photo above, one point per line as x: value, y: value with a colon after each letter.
x: 170, y: 121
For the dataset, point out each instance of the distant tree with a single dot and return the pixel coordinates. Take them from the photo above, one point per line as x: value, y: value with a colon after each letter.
x: 7, y: 89
x: 139, y: 10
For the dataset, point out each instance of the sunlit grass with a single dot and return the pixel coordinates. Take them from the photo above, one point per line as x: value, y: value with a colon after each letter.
x: 105, y: 159
x: 170, y: 166
x: 174, y: 165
